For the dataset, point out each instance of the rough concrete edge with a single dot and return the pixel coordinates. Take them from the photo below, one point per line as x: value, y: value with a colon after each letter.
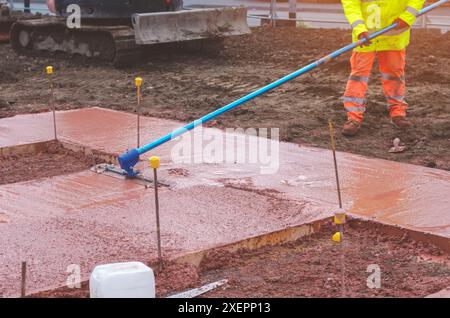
x: 102, y: 155
x: 23, y: 149
x: 420, y: 236
x: 267, y: 239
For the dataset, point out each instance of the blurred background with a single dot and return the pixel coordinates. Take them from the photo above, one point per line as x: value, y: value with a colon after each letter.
x: 309, y: 13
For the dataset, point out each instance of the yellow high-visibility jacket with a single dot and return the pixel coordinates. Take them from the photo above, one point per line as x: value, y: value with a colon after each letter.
x: 372, y: 15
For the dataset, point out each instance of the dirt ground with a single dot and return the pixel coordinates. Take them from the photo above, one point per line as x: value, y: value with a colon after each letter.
x: 187, y: 86
x: 311, y: 267
x: 56, y: 160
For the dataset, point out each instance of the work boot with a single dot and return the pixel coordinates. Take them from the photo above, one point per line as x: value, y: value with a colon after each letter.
x: 401, y: 122
x: 351, y: 127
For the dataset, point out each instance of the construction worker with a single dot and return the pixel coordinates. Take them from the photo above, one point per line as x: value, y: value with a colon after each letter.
x: 365, y: 17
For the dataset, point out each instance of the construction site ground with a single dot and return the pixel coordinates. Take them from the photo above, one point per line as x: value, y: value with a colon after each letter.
x: 312, y: 267
x: 55, y: 210
x: 186, y: 86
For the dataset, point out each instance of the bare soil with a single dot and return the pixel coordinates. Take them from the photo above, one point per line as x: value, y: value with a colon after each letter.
x: 312, y: 267
x: 186, y: 86
x: 52, y: 160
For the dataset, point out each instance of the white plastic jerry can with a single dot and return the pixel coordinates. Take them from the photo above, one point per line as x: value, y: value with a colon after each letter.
x: 122, y: 280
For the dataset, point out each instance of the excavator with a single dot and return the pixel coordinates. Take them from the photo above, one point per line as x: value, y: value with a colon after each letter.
x: 118, y: 31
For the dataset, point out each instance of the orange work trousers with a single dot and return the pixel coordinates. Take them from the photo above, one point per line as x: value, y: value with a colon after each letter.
x: 392, y: 68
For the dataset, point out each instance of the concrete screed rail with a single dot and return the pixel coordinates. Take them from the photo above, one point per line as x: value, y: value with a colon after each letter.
x: 129, y: 159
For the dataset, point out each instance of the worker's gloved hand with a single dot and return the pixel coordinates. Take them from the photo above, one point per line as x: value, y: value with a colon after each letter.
x: 364, y: 35
x: 401, y: 24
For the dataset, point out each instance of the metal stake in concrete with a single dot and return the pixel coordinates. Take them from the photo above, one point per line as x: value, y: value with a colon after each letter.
x: 52, y: 98
x: 138, y: 83
x: 339, y: 217
x: 24, y: 280
x: 333, y: 148
x: 154, y: 164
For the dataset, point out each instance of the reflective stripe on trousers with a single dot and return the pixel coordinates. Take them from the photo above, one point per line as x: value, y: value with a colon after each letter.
x: 392, y: 69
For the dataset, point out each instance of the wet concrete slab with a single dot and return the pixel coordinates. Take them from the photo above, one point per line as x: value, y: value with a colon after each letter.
x: 88, y: 218
x: 98, y: 128
x: 445, y: 293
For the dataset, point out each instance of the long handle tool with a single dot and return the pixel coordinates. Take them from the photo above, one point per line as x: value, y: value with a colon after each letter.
x: 129, y: 159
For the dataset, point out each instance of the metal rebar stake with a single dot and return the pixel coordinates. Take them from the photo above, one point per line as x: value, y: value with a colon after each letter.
x: 138, y: 125
x: 154, y: 163
x: 138, y: 83
x: 53, y: 109
x: 24, y: 280
x: 333, y: 148
x: 341, y: 225
x: 158, y: 226
x: 52, y: 99
x: 341, y: 230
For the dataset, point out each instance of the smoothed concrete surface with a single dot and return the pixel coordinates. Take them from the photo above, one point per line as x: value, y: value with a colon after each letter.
x: 87, y: 218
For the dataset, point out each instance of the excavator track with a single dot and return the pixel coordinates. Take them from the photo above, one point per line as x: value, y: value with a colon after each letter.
x: 8, y: 18
x: 114, y: 41
x: 113, y: 44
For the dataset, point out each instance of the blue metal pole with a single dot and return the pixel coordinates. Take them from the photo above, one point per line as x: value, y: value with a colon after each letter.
x: 129, y: 159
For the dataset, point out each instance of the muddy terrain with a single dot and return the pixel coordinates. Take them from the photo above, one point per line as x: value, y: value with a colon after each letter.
x: 312, y: 267
x: 186, y: 86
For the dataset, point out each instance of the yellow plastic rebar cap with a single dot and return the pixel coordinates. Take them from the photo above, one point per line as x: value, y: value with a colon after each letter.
x: 339, y: 218
x: 336, y: 237
x: 138, y: 81
x: 49, y: 70
x: 154, y: 162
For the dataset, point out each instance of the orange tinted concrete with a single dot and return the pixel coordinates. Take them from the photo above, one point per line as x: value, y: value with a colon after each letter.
x: 445, y: 293
x: 97, y: 128
x: 86, y: 218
